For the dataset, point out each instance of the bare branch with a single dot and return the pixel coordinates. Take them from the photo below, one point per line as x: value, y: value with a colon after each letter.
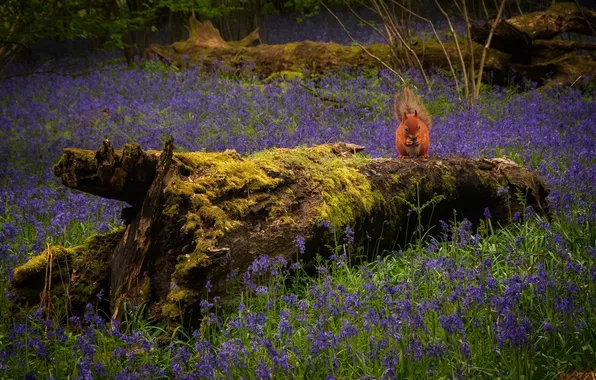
x: 471, y: 69
x: 459, y: 52
x: 384, y: 36
x: 360, y: 45
x: 521, y: 13
x: 585, y: 18
x: 484, y: 8
x: 486, y: 46
x: 395, y: 29
x: 438, y: 40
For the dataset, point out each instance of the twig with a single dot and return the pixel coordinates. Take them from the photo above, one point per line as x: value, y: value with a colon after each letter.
x: 486, y: 46
x: 368, y: 23
x: 399, y: 33
x: 406, y: 44
x: 521, y: 13
x: 585, y: 17
x: 575, y: 81
x: 438, y: 40
x: 484, y: 8
x: 472, y: 68
x: 459, y: 52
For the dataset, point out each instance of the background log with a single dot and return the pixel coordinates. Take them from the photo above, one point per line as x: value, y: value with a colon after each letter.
x: 518, y: 32
x: 206, y: 214
x: 528, y: 39
x: 206, y: 47
x: 512, y: 47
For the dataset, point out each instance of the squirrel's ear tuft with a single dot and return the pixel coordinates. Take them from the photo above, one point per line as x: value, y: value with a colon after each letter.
x: 416, y: 114
x: 405, y: 117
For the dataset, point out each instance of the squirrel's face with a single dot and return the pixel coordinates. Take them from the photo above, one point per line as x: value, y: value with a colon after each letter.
x: 412, y: 127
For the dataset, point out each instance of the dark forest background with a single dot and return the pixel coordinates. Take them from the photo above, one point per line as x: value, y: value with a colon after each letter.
x: 33, y: 29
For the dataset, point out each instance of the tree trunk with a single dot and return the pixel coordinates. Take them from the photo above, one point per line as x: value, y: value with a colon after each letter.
x: 198, y: 216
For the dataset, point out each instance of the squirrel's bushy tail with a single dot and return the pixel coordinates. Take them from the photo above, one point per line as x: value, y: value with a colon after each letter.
x: 408, y: 102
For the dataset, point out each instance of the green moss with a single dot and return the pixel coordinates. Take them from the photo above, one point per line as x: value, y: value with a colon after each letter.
x: 486, y: 181
x: 427, y: 186
x: 448, y: 182
x: 224, y: 172
x: 37, y: 265
x: 239, y: 207
x: 90, y: 255
x: 394, y: 178
x: 182, y: 294
x: 146, y: 289
x: 217, y: 191
x: 177, y: 299
x: 281, y: 205
x: 344, y: 192
x: 83, y: 155
x: 171, y: 310
x: 334, y: 186
x: 212, y: 176
x: 338, y: 191
x: 286, y: 220
x: 87, y: 261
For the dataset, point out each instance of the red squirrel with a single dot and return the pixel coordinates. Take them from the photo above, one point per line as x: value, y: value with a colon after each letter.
x: 411, y: 135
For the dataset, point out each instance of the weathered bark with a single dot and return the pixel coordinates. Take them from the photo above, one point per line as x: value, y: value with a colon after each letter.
x: 203, y: 215
x: 138, y: 250
x: 124, y: 175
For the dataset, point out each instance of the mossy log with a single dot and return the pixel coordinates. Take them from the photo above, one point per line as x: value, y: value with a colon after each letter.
x: 509, y: 50
x: 202, y: 215
x: 206, y: 46
x: 528, y: 39
x: 559, y: 18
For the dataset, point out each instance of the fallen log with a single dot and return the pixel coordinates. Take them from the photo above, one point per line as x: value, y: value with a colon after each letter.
x: 564, y: 45
x: 203, y: 215
x: 518, y: 44
x: 206, y: 47
x: 528, y: 39
x: 559, y: 18
x: 517, y: 34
